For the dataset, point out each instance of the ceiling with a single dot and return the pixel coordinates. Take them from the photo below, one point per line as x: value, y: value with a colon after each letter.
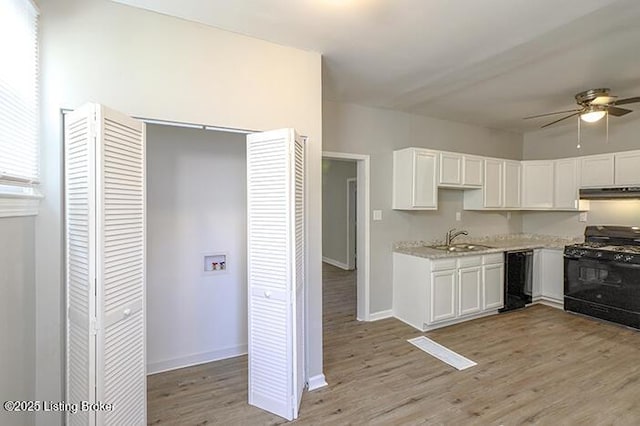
x: 487, y: 62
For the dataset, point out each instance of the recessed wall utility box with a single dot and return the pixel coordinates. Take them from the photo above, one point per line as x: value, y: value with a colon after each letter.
x: 215, y: 263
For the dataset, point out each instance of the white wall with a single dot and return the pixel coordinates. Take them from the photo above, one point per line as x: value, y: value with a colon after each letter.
x: 150, y: 65
x: 377, y: 132
x: 561, y: 141
x: 602, y: 212
x: 334, y: 208
x: 17, y: 316
x: 196, y: 204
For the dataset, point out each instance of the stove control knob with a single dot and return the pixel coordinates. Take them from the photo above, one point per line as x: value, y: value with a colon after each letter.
x: 628, y: 258
x: 599, y: 254
x: 617, y: 257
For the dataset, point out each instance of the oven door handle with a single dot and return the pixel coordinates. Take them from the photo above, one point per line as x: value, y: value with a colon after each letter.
x: 625, y: 265
x: 571, y: 257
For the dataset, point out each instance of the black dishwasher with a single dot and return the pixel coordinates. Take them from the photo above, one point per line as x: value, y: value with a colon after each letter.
x: 518, y: 279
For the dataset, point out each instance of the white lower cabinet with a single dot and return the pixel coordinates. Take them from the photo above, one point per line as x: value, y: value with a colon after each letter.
x: 433, y: 293
x: 469, y: 290
x: 443, y: 296
x: 549, y: 274
x: 493, y: 279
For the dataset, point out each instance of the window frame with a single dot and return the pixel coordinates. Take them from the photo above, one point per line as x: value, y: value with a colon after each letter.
x: 18, y: 196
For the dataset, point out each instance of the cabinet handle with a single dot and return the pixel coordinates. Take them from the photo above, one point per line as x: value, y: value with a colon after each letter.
x: 127, y: 312
x: 267, y: 294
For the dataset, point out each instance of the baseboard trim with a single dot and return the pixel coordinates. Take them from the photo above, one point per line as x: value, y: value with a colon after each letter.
x: 195, y: 359
x: 316, y: 382
x: 376, y: 316
x: 335, y: 263
x: 551, y: 302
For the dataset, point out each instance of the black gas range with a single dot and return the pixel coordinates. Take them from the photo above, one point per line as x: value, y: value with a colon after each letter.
x: 602, y: 275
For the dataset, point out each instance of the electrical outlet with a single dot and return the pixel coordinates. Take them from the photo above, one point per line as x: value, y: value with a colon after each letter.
x: 508, y: 215
x: 583, y: 217
x: 458, y: 216
x: 377, y: 215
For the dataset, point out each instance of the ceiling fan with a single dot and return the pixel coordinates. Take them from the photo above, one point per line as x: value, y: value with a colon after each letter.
x: 593, y: 104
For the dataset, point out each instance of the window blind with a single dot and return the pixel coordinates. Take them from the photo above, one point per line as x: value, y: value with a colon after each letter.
x: 19, y: 163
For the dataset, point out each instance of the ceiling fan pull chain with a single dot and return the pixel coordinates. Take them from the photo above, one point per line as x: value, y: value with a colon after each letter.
x: 607, y: 130
x: 578, y: 146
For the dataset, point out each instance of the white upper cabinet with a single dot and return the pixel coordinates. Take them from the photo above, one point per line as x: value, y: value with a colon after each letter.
x: 415, y: 173
x: 537, y: 184
x: 491, y: 194
x: 597, y: 171
x: 565, y: 195
x: 627, y: 168
x: 472, y: 170
x: 459, y: 170
x: 512, y: 193
x: 450, y: 169
x: 493, y: 182
x: 499, y: 184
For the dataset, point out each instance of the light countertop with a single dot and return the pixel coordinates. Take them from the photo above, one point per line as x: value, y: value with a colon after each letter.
x: 498, y: 243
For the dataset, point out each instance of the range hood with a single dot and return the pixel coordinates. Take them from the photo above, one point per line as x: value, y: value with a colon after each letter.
x: 610, y: 193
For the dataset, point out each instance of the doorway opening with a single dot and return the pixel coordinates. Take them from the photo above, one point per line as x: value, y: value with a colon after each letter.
x: 196, y: 269
x: 345, y: 226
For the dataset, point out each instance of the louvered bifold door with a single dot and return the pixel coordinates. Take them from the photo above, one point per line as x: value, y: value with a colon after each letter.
x: 79, y: 154
x: 105, y: 268
x: 121, y: 269
x: 272, y: 268
x: 299, y: 201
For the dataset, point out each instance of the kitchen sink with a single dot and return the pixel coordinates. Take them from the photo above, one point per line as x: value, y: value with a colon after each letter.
x: 460, y: 247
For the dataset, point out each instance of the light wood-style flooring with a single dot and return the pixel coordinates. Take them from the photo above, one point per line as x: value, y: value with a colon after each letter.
x: 539, y: 365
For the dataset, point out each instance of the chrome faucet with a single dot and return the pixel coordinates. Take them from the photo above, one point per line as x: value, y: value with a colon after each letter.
x: 451, y: 234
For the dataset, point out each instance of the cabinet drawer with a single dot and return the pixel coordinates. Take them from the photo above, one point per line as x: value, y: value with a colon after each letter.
x: 467, y: 261
x: 443, y: 264
x: 493, y: 258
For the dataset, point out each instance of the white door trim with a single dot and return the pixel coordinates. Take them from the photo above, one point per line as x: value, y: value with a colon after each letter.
x: 350, y: 264
x: 363, y: 237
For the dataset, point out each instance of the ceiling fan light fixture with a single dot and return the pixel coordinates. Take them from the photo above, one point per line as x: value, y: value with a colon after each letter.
x: 592, y: 115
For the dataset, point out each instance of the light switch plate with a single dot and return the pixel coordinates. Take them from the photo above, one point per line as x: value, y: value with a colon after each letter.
x: 583, y: 217
x: 377, y: 215
x: 458, y: 216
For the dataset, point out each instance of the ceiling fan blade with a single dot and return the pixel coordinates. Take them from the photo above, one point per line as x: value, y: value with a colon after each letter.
x: 563, y: 118
x: 618, y: 112
x: 550, y: 113
x: 627, y: 101
x: 603, y: 100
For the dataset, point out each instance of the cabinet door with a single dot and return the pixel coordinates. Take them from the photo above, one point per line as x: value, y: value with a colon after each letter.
x: 472, y: 171
x: 424, y: 179
x: 512, y: 171
x: 565, y: 185
x: 450, y: 169
x: 596, y: 171
x: 493, y: 280
x: 627, y: 168
x: 552, y: 275
x: 537, y: 184
x: 443, y: 296
x: 469, y: 290
x: 493, y: 183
